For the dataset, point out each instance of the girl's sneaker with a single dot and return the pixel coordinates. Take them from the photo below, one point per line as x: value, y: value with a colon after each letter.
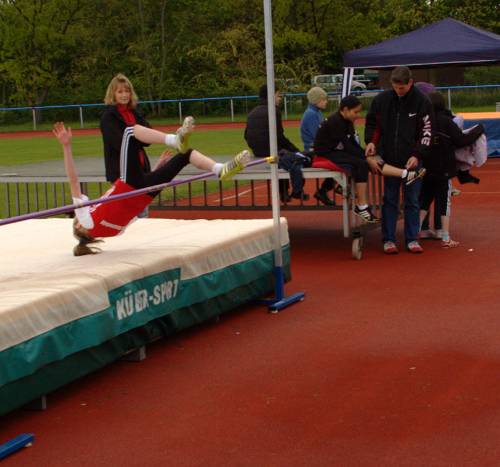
x: 366, y: 215
x: 235, y: 165
x: 427, y: 234
x: 414, y: 175
x: 182, y: 134
x: 449, y: 243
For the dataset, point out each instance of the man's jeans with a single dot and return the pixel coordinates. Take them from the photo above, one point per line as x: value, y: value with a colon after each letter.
x: 293, y: 164
x: 390, y: 209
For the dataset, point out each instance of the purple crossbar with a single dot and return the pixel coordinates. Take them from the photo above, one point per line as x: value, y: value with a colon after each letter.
x: 108, y: 199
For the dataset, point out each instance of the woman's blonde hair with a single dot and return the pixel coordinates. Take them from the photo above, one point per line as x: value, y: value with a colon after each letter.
x: 84, y: 239
x: 109, y: 98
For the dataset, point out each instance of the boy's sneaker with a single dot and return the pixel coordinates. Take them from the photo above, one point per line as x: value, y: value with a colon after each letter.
x: 414, y: 247
x: 390, y: 248
x: 323, y: 197
x: 366, y: 215
x: 414, y: 175
x: 182, y: 135
x: 235, y: 165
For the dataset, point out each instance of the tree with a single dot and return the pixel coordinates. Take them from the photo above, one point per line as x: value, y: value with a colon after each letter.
x: 40, y: 43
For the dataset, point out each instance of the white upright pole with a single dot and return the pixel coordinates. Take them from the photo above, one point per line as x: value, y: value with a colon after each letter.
x: 280, y: 301
x: 273, y: 142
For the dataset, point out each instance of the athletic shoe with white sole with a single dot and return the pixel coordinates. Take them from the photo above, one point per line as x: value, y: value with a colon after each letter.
x: 390, y: 248
x: 414, y: 175
x: 235, y: 165
x: 182, y: 134
x: 414, y: 247
x: 366, y: 215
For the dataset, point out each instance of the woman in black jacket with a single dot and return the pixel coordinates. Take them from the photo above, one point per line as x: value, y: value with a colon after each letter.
x: 120, y: 112
x: 440, y: 164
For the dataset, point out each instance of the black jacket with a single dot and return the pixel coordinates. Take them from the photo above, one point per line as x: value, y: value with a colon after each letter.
x: 257, y: 132
x: 400, y: 127
x: 336, y: 134
x: 447, y: 137
x: 112, y: 128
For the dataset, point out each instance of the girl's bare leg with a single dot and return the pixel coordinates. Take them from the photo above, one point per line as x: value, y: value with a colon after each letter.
x: 391, y: 171
x: 200, y: 161
x: 148, y: 135
x: 362, y: 193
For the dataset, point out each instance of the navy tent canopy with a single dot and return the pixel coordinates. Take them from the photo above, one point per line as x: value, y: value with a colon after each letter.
x: 445, y: 42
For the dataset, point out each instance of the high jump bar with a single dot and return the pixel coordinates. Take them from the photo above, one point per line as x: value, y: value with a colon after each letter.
x: 108, y: 199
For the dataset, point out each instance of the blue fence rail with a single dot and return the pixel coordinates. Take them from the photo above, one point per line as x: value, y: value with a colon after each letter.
x: 492, y: 97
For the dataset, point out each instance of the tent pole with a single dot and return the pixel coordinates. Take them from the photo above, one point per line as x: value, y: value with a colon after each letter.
x: 280, y: 301
x: 347, y: 81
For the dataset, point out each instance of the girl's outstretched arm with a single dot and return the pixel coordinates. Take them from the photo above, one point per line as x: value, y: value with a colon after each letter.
x: 64, y: 136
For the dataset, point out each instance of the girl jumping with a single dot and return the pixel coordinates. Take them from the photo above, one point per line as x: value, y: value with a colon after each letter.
x: 110, y: 219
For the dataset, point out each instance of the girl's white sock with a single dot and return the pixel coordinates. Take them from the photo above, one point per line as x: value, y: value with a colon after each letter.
x: 171, y: 140
x: 217, y: 168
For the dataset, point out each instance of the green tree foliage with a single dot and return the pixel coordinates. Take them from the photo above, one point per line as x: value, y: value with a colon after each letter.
x: 37, y: 38
x: 64, y: 51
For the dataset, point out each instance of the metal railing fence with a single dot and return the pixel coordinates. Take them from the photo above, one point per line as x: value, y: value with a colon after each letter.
x: 226, y: 108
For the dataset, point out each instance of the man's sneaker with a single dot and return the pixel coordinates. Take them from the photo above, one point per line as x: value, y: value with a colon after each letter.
x: 182, y: 135
x: 414, y: 247
x: 390, y: 248
x: 323, y: 198
x: 235, y: 165
x: 455, y: 191
x: 366, y: 215
x: 414, y: 175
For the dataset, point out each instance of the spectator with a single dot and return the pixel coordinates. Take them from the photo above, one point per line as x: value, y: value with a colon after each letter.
x: 441, y: 164
x: 311, y: 120
x: 337, y: 142
x: 257, y: 138
x: 119, y: 113
x: 425, y: 230
x: 399, y: 128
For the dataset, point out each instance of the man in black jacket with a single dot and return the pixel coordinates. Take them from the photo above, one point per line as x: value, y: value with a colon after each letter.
x: 257, y: 134
x: 399, y: 128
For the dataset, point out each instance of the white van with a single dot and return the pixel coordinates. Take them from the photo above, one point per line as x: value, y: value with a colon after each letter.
x: 334, y: 83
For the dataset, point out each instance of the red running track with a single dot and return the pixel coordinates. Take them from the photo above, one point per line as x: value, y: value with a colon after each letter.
x: 389, y: 361
x: 167, y: 128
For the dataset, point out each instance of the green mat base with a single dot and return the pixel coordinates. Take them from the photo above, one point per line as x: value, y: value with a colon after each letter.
x: 55, y: 375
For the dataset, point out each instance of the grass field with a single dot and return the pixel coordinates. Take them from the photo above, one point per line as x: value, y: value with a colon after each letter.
x: 28, y: 197
x: 225, y: 142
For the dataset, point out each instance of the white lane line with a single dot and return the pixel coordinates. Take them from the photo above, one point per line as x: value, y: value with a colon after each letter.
x: 218, y: 200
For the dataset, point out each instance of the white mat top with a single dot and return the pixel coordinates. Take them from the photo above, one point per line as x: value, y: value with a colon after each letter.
x: 42, y: 285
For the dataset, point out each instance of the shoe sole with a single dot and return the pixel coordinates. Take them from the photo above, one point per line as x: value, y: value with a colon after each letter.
x: 188, y: 127
x: 366, y: 221
x: 419, y: 175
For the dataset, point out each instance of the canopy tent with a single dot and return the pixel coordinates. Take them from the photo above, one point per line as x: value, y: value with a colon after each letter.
x: 443, y: 43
